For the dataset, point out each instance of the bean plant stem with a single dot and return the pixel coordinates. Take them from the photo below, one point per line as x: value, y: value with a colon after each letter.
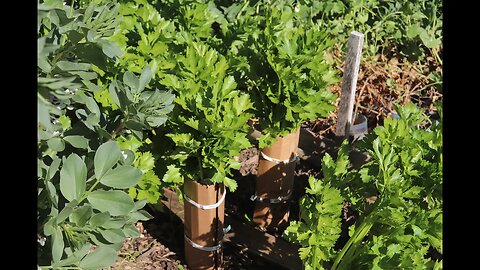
x: 89, y: 190
x: 119, y: 128
x: 71, y: 8
x: 427, y: 85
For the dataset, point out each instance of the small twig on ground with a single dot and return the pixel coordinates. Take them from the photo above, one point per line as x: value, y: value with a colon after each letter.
x: 368, y: 109
x: 361, y: 92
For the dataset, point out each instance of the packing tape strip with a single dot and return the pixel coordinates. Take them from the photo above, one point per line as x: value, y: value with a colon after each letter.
x: 227, y: 229
x: 358, y: 130
x: 270, y: 200
x: 278, y: 161
x: 197, y: 246
x: 205, y: 206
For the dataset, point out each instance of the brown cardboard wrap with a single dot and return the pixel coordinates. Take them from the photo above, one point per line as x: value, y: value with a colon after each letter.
x: 203, y: 227
x: 275, y: 180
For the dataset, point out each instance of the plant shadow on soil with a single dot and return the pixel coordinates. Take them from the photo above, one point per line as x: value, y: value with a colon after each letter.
x: 240, y: 207
x: 312, y: 148
x: 167, y: 228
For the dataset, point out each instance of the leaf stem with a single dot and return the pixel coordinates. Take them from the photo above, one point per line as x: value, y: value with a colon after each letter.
x: 436, y: 55
x: 89, y: 190
x: 346, y: 255
x: 71, y: 8
x: 119, y: 128
x: 315, y: 260
x: 242, y: 9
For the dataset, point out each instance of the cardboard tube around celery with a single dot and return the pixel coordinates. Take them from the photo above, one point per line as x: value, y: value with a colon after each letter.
x: 202, y: 225
x: 274, y: 180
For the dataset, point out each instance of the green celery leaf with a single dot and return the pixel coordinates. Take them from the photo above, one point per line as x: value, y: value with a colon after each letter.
x: 173, y: 175
x: 145, y: 162
x: 65, y: 122
x: 230, y: 183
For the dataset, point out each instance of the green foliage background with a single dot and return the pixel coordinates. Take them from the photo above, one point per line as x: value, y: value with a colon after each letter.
x: 84, y: 210
x: 136, y: 95
x: 404, y: 224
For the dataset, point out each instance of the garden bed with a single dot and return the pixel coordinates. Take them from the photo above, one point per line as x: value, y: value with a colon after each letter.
x: 246, y: 246
x: 140, y: 100
x: 164, y: 234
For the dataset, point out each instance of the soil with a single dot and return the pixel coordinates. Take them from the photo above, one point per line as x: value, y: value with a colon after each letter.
x: 381, y: 83
x: 160, y: 245
x: 146, y: 252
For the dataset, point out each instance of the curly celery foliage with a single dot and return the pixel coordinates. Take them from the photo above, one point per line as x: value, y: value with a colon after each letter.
x: 209, y: 125
x: 153, y: 32
x: 402, y: 227
x: 274, y: 49
x: 210, y: 121
x: 149, y: 186
x: 320, y: 224
x: 278, y: 54
x: 84, y: 212
x: 147, y: 38
x: 201, y: 18
x: 405, y: 222
x: 319, y: 227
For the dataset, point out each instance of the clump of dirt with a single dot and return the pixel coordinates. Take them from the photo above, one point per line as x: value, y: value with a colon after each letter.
x: 249, y: 161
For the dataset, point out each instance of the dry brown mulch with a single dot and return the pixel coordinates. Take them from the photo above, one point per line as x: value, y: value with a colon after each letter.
x: 146, y: 253
x: 383, y: 82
